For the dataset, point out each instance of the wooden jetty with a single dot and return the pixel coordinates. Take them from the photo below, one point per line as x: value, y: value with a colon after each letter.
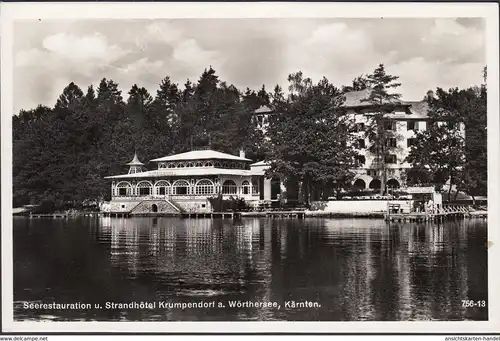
x: 439, y: 215
x: 286, y: 214
x: 210, y: 215
x: 49, y: 215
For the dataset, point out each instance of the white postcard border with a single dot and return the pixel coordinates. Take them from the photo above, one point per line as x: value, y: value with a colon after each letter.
x: 18, y: 11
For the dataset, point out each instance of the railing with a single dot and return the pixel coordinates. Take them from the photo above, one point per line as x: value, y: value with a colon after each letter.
x: 182, y: 196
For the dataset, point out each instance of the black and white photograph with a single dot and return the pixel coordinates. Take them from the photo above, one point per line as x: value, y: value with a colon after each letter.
x: 210, y: 166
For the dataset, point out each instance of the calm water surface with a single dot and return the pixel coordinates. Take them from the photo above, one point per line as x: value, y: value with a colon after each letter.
x: 356, y: 269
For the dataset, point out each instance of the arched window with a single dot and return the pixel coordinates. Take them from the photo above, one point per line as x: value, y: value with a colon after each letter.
x: 124, y: 188
x: 210, y: 164
x: 162, y: 187
x: 225, y: 165
x: 190, y: 164
x: 180, y: 187
x: 205, y: 187
x: 247, y: 188
x: 171, y: 165
x: 375, y: 184
x: 393, y: 183
x: 233, y: 165
x: 359, y: 184
x: 145, y: 188
x: 199, y: 164
x: 229, y: 187
x: 181, y: 165
x: 218, y: 165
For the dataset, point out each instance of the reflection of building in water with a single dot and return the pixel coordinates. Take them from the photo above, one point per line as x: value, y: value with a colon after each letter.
x: 244, y: 237
x: 105, y: 221
x: 436, y: 239
x: 154, y: 240
x: 124, y: 244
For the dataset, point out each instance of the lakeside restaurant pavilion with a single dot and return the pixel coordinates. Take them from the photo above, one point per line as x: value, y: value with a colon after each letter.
x: 184, y: 182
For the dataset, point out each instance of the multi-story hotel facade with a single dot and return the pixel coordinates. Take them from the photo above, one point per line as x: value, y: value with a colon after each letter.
x: 405, y: 121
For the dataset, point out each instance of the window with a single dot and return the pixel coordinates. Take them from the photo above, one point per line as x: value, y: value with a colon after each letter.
x: 390, y: 142
x: 181, y: 187
x: 123, y: 206
x: 451, y: 125
x: 360, y: 159
x: 145, y: 188
x: 361, y: 143
x: 171, y: 165
x: 410, y: 142
x: 411, y: 125
x: 229, y: 187
x: 190, y: 165
x: 204, y: 187
x: 124, y: 188
x: 390, y: 125
x: 198, y: 164
x: 391, y: 158
x: 360, y: 127
x: 371, y: 172
x: 217, y: 165
x: 247, y: 188
x: 162, y: 187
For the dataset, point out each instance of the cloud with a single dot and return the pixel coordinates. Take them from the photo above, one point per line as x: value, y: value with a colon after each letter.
x: 83, y: 48
x: 418, y: 75
x: 425, y: 53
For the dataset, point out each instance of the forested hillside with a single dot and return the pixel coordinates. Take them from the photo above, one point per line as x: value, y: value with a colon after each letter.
x: 62, y: 153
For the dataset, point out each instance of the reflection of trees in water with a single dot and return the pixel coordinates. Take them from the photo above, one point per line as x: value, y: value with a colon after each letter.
x: 196, y: 257
x: 356, y: 269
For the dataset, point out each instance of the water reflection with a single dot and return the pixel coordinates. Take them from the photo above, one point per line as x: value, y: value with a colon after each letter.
x: 355, y: 269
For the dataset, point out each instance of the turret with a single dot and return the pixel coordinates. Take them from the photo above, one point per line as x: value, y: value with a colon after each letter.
x: 135, y: 165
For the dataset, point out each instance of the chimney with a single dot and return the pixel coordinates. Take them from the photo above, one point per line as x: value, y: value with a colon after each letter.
x: 242, y: 153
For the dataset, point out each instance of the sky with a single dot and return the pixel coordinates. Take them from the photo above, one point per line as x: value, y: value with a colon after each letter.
x: 424, y: 53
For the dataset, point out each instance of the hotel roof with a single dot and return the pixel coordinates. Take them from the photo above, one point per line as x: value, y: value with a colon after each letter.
x: 355, y: 99
x: 417, y: 109
x: 201, y: 155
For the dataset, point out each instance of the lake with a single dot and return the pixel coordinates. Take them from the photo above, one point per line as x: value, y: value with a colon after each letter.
x: 313, y: 269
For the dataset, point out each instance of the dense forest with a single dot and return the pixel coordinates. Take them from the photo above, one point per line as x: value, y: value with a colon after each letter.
x: 62, y: 153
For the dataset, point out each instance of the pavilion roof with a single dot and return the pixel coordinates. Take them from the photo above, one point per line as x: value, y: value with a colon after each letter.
x: 159, y: 173
x: 201, y: 155
x: 263, y: 109
x: 135, y: 161
x: 260, y: 163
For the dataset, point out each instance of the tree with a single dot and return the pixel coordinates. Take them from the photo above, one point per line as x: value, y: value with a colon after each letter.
x: 70, y: 98
x: 441, y: 148
x: 311, y: 140
x: 473, y: 109
x: 380, y: 127
x: 359, y: 83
